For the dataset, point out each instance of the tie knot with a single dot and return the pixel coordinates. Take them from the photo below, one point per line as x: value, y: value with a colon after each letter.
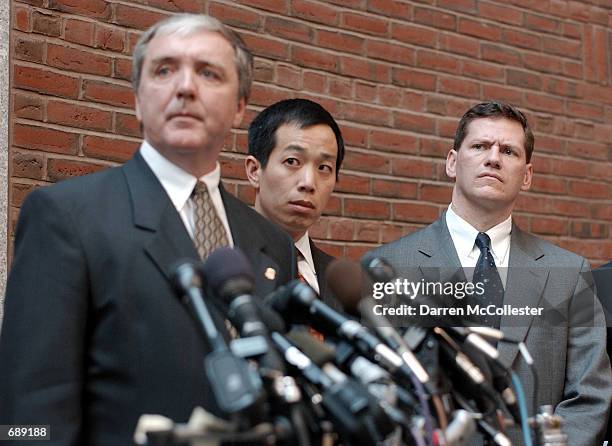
x: 199, y: 189
x: 483, y: 241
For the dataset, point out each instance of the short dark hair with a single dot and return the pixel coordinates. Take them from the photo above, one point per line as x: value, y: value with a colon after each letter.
x: 494, y: 109
x: 302, y: 112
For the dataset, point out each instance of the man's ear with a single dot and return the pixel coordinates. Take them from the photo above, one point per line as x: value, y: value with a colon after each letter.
x: 451, y: 164
x: 253, y: 170
x: 239, y: 113
x: 528, y: 177
x: 137, y: 108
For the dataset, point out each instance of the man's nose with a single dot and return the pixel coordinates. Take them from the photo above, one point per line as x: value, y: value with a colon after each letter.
x: 307, y: 179
x: 186, y: 84
x: 494, y: 156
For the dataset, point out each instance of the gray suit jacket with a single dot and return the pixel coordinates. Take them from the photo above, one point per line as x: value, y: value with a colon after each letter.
x: 569, y: 348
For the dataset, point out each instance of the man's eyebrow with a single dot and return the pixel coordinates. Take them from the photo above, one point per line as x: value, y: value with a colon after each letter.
x: 489, y: 141
x: 294, y: 147
x: 170, y: 59
x: 297, y: 148
x: 162, y: 60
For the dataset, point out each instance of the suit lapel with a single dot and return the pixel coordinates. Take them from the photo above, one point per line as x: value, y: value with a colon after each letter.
x: 153, y: 211
x: 524, y: 287
x: 440, y: 261
x: 320, y: 263
x: 246, y: 237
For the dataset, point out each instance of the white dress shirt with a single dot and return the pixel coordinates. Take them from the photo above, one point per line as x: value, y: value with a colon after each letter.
x: 464, y: 239
x: 179, y: 185
x: 306, y: 264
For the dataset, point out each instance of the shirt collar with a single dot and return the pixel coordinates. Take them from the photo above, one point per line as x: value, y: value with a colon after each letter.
x: 303, y: 245
x: 177, y: 183
x: 464, y: 236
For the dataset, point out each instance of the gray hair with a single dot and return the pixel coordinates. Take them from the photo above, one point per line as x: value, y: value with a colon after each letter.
x: 187, y: 24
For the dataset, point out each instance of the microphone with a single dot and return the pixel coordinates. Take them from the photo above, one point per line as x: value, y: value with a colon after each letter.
x: 230, y: 277
x: 297, y: 302
x: 354, y: 412
x: 372, y: 378
x: 235, y: 387
x: 345, y: 278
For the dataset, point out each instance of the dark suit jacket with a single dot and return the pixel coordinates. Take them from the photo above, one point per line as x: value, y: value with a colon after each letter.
x: 93, y: 334
x: 569, y: 351
x: 321, y: 261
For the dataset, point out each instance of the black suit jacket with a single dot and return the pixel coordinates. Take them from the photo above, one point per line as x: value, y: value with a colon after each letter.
x: 93, y: 334
x: 321, y: 261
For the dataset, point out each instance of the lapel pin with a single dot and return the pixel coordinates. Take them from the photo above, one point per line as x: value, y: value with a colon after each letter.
x: 270, y: 273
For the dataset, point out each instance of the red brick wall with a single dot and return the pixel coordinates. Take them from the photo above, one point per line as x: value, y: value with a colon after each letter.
x: 396, y: 74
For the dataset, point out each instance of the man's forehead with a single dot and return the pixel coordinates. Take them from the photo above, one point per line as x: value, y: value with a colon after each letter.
x: 202, y: 43
x: 291, y: 136
x: 495, y: 127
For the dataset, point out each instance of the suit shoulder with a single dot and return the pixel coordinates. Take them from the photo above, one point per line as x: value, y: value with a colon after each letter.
x: 322, y: 254
x: 262, y: 225
x: 404, y: 244
x: 76, y: 191
x: 555, y: 255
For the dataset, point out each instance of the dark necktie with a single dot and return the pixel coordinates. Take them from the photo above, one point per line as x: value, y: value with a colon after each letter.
x: 209, y: 232
x: 486, y: 273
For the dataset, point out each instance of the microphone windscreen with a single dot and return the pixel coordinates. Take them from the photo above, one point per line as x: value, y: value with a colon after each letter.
x: 319, y: 352
x: 225, y: 265
x: 378, y: 268
x: 345, y: 280
x: 271, y: 318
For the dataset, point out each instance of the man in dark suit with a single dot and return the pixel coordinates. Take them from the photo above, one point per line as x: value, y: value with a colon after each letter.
x: 94, y: 335
x: 295, y: 153
x: 490, y: 163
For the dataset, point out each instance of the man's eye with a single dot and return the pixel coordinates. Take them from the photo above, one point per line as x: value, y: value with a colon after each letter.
x: 209, y: 74
x: 163, y: 71
x: 508, y: 151
x: 292, y: 161
x: 326, y: 168
x: 478, y: 147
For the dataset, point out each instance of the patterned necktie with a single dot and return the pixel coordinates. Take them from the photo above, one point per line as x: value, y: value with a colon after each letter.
x: 209, y: 232
x: 299, y: 256
x: 486, y: 273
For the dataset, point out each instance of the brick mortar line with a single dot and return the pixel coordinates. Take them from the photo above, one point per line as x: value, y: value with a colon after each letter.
x: 341, y: 9
x: 91, y: 103
x: 72, y: 74
x: 75, y: 130
x: 391, y: 65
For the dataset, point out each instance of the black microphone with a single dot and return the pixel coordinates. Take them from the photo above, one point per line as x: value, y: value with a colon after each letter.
x: 187, y: 283
x: 345, y: 278
x: 235, y: 387
x: 372, y: 378
x: 354, y: 412
x: 378, y: 268
x: 298, y: 303
x: 229, y: 276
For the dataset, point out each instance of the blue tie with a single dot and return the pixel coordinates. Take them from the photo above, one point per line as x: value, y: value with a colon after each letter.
x: 486, y: 273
